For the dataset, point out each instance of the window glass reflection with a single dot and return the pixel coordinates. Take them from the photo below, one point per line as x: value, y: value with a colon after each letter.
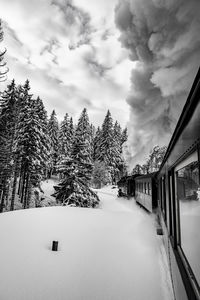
x: 188, y: 192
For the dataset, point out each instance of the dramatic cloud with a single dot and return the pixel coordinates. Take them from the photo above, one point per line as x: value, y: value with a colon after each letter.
x: 70, y: 52
x: 162, y: 37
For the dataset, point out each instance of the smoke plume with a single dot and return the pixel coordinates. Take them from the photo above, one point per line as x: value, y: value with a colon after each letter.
x: 162, y: 36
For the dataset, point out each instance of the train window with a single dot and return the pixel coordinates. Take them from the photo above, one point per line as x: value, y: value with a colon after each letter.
x: 149, y: 188
x: 141, y: 187
x: 145, y: 187
x: 188, y: 195
x: 171, y: 207
x: 163, y: 198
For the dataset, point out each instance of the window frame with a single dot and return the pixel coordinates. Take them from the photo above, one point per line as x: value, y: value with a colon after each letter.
x: 195, y: 154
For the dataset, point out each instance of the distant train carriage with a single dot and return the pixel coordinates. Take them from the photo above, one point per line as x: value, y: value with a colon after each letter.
x: 122, y: 186
x: 127, y: 185
x: 179, y: 199
x: 146, y: 191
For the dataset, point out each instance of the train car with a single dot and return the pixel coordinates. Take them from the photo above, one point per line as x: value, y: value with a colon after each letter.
x: 179, y: 199
x: 146, y: 191
x: 122, y: 185
x: 127, y: 185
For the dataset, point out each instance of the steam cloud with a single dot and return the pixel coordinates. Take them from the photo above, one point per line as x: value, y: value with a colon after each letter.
x: 163, y: 38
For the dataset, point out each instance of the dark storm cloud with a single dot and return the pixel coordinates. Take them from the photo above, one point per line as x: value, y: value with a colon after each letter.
x: 163, y: 36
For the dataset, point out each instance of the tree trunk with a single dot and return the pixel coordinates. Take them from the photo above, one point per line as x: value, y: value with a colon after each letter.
x: 20, y: 183
x: 13, y: 190
x: 23, y: 183
x: 2, y: 201
x: 25, y: 192
x: 29, y: 193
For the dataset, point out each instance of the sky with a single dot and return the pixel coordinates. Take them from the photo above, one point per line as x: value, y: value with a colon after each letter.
x: 70, y: 52
x: 163, y: 39
x: 137, y: 58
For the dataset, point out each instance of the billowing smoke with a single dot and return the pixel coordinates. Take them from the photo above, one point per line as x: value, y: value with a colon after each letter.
x: 163, y: 38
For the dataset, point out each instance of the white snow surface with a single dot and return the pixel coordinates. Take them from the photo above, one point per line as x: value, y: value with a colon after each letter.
x: 109, y: 253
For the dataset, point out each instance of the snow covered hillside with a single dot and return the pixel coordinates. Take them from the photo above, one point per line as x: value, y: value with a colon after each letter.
x: 111, y: 253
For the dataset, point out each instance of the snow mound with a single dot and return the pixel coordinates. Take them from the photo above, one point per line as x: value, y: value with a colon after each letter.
x: 102, y: 254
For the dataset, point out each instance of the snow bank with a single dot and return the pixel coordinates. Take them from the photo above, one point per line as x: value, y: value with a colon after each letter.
x: 104, y: 254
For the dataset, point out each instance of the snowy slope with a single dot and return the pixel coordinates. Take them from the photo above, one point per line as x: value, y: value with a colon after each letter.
x: 110, y: 253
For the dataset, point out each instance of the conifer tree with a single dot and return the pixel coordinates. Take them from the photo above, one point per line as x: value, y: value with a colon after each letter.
x: 74, y: 189
x: 109, y: 149
x: 8, y: 120
x: 83, y: 131
x: 82, y: 152
x: 53, y: 130
x: 44, y: 141
x: 117, y: 131
x: 96, y: 147
x: 65, y: 144
x: 30, y: 144
x: 92, y: 137
x: 124, y: 136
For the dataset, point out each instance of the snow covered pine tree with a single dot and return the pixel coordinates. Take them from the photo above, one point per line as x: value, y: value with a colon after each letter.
x: 109, y: 148
x: 53, y: 134
x: 74, y: 188
x: 8, y: 121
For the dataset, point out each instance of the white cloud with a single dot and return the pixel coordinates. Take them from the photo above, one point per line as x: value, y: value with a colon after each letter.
x: 70, y: 52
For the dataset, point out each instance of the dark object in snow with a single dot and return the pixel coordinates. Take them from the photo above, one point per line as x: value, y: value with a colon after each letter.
x: 55, y: 246
x: 121, y: 194
x: 159, y: 231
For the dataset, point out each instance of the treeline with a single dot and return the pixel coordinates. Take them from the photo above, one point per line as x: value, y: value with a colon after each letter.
x: 33, y: 147
x: 153, y: 162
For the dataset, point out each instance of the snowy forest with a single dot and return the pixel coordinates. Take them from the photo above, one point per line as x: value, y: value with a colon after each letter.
x: 33, y: 148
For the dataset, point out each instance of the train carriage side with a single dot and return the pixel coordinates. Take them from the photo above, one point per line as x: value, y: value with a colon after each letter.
x: 179, y: 199
x: 146, y: 191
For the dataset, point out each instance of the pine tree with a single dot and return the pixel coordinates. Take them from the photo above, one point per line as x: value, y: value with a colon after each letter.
x: 124, y: 136
x: 83, y: 131
x: 71, y: 126
x: 100, y: 175
x: 74, y: 189
x: 8, y: 120
x: 82, y: 151
x: 44, y: 141
x: 117, y: 131
x: 30, y: 144
x: 109, y: 151
x: 53, y: 134
x: 65, y: 144
x: 92, y: 137
x: 96, y: 143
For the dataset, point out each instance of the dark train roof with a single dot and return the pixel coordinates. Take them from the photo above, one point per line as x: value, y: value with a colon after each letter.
x: 124, y: 179
x: 182, y: 131
x: 150, y: 175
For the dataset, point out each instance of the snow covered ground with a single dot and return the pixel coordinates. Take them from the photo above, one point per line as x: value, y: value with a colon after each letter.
x: 110, y: 253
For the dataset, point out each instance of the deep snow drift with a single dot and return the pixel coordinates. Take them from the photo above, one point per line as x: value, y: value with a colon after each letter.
x: 110, y: 253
